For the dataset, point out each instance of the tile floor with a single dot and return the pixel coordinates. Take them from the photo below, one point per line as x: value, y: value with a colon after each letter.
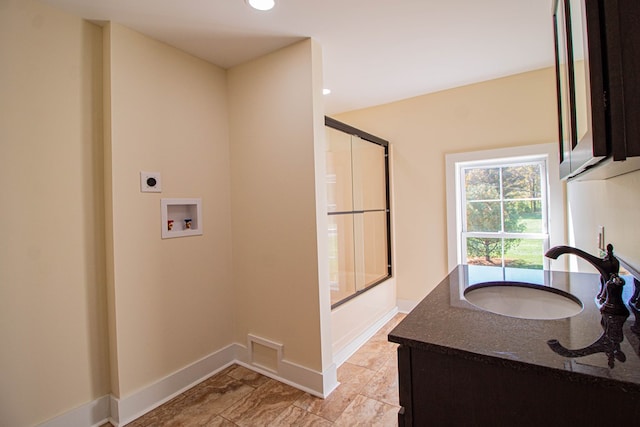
x: 237, y: 396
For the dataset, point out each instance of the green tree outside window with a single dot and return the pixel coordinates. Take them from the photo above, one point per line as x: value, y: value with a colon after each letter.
x: 501, y: 203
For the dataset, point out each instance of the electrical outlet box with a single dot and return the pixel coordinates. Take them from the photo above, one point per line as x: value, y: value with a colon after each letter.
x: 150, y: 182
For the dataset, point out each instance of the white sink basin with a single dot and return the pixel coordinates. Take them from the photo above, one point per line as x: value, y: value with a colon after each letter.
x: 523, y: 300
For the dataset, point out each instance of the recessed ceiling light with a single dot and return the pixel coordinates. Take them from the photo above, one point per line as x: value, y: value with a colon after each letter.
x: 326, y: 91
x: 261, y: 4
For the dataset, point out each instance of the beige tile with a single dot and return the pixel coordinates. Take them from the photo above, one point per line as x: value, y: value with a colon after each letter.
x: 220, y: 422
x: 294, y: 416
x: 348, y: 373
x: 263, y: 405
x: 334, y: 405
x: 228, y: 369
x: 372, y: 355
x: 160, y: 415
x: 395, y: 320
x: 212, y: 421
x: 216, y: 394
x: 201, y: 420
x: 381, y: 335
x: 384, y: 385
x: 247, y: 376
x: 368, y: 412
x: 352, y: 378
x: 198, y: 406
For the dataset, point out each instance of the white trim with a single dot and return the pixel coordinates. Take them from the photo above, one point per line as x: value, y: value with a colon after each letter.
x: 128, y: 408
x: 319, y: 384
x: 251, y: 339
x: 313, y: 379
x: 121, y: 411
x: 347, y: 351
x: 556, y: 208
x: 94, y: 414
x: 351, y: 319
x: 329, y: 381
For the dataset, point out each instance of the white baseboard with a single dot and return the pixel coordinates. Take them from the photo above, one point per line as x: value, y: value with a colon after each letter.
x: 128, y: 408
x: 405, y: 305
x: 347, y: 351
x: 93, y: 414
x: 123, y: 410
x: 319, y: 384
x: 120, y: 411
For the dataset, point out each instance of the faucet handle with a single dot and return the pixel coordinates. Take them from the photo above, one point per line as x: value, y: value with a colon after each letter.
x: 614, y: 305
x: 611, y: 263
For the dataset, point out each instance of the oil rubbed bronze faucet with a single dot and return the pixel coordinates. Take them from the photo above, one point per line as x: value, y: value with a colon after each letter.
x: 606, y: 266
x: 610, y: 295
x: 608, y: 343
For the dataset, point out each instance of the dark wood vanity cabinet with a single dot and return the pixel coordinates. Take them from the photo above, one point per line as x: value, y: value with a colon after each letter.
x: 597, y: 44
x: 459, y: 365
x: 447, y: 389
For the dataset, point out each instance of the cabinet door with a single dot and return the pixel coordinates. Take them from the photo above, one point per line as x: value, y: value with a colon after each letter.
x: 623, y: 61
x: 564, y: 72
x: 597, y: 67
x: 590, y: 145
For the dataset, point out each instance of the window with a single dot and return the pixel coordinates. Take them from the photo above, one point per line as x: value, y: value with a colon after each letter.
x: 504, y: 222
x: 504, y: 207
x: 358, y: 211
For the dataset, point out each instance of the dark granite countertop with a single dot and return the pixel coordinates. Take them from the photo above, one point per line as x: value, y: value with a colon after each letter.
x: 445, y: 322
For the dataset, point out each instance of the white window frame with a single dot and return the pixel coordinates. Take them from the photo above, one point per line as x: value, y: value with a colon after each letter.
x: 500, y: 163
x: 554, y: 189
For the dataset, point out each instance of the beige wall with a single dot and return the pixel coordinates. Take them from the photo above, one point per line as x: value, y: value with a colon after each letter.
x: 612, y: 203
x: 53, y: 351
x: 516, y: 110
x: 275, y: 247
x: 172, y: 299
x: 172, y: 302
x: 79, y: 303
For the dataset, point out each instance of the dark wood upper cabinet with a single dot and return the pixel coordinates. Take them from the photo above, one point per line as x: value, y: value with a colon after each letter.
x: 597, y: 44
x: 622, y: 35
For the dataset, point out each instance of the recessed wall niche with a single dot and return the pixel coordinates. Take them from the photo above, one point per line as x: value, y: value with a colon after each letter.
x: 181, y: 217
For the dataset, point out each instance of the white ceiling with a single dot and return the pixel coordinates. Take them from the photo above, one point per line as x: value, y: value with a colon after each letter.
x: 374, y: 51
